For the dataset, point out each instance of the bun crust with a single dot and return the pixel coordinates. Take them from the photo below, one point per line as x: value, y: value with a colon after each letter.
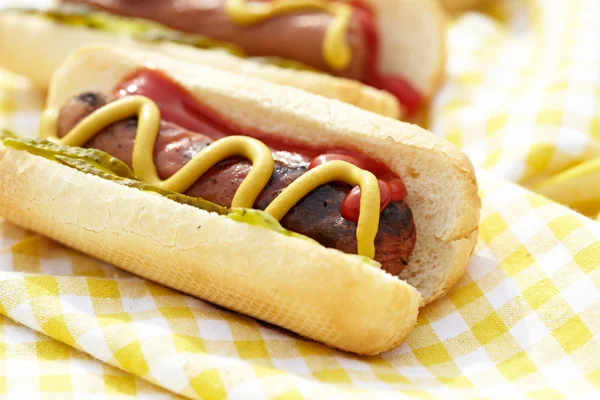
x: 461, y: 5
x: 237, y: 265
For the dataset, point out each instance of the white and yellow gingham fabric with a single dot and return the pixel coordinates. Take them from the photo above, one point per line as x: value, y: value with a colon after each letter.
x: 523, y: 94
x: 522, y: 99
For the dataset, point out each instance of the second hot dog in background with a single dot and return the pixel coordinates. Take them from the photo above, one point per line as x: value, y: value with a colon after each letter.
x: 340, y: 49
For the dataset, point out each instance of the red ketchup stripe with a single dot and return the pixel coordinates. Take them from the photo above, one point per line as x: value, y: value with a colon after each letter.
x: 388, y: 191
x: 178, y: 106
x: 175, y: 103
x: 351, y: 203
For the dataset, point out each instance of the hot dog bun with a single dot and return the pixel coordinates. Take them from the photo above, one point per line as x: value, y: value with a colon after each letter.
x: 283, y: 280
x: 412, y: 45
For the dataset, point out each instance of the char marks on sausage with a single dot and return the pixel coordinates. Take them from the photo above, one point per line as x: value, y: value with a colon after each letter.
x: 295, y: 36
x: 317, y: 215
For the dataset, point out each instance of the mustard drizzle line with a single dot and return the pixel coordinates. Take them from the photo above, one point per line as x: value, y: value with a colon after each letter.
x: 336, y: 50
x: 144, y: 167
x: 368, y: 220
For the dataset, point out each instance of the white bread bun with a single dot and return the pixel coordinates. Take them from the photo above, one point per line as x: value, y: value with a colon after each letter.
x: 412, y: 45
x: 283, y: 280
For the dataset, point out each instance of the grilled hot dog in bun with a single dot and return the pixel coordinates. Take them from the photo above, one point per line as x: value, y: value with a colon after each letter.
x: 337, y: 48
x: 264, y: 199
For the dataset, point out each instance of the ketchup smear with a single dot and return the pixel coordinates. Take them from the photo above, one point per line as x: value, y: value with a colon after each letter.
x: 410, y: 98
x: 180, y: 107
x: 394, y: 189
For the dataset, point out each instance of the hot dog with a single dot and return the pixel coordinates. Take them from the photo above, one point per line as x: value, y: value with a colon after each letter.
x: 386, y: 56
x: 162, y: 190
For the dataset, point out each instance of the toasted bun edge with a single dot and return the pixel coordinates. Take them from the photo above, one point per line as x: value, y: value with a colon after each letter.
x: 462, y: 5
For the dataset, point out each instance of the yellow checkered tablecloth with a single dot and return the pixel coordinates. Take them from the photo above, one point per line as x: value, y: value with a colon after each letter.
x: 522, y: 99
x: 523, y: 95
x: 33, y: 363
